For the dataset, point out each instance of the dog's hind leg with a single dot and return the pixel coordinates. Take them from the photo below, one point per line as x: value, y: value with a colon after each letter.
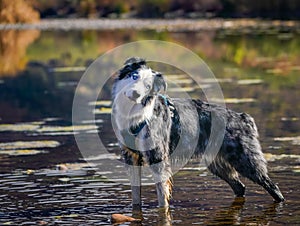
x: 261, y: 177
x: 228, y: 174
x: 253, y: 166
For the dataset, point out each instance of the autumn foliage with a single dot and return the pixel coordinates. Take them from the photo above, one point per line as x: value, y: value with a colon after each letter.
x: 18, y: 11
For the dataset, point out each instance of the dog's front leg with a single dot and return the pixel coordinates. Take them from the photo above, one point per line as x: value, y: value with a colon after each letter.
x: 135, y: 180
x: 134, y: 169
x: 164, y: 190
x: 163, y: 180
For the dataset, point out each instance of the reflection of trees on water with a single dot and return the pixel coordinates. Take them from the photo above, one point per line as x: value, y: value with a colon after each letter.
x: 13, y: 45
x: 35, y: 94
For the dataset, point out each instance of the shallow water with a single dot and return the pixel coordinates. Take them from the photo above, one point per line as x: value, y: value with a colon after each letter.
x: 44, y: 179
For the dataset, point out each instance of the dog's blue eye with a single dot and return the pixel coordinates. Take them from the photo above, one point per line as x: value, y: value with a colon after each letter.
x: 135, y: 76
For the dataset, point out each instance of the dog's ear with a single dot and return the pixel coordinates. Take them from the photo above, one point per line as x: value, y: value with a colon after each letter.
x: 135, y: 60
x: 159, y: 84
x: 130, y: 65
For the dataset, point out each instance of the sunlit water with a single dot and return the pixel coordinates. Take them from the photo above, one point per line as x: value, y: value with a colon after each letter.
x: 44, y: 179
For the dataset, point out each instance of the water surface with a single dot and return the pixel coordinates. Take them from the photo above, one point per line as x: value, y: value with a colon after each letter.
x: 43, y: 177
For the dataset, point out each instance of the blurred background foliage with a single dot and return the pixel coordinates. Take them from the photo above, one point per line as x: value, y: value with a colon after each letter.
x: 273, y: 53
x: 18, y: 11
x: 275, y: 50
x: 30, y: 10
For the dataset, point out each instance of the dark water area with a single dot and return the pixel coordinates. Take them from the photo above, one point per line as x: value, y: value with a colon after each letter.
x: 44, y: 179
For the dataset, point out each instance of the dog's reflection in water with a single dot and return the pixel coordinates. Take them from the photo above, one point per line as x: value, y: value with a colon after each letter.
x: 163, y: 216
x: 233, y: 214
x: 230, y: 215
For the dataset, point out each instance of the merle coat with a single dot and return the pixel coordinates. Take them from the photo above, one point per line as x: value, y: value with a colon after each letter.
x: 157, y: 130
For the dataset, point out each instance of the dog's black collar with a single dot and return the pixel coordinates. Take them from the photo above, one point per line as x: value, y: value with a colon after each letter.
x: 138, y: 128
x: 146, y: 100
x: 135, y: 130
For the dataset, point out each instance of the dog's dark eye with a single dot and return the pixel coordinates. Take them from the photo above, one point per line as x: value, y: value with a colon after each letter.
x: 135, y: 76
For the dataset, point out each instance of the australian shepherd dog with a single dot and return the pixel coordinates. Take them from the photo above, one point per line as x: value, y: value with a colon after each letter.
x: 149, y: 126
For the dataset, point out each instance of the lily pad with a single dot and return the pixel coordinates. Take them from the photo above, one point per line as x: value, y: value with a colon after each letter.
x: 66, y: 128
x: 293, y: 119
x: 272, y: 157
x: 234, y: 100
x: 101, y: 157
x: 92, y: 121
x: 249, y: 81
x: 73, y: 166
x: 41, y: 129
x: 294, y: 140
x: 31, y: 126
x: 181, y: 89
x: 22, y: 152
x: 21, y: 145
x: 106, y: 103
x: 296, y: 169
x: 103, y: 110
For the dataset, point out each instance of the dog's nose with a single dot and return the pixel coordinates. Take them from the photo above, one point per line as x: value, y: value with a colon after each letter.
x: 135, y: 95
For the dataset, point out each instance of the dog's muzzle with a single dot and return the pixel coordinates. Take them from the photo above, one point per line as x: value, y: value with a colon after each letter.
x: 134, y: 95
